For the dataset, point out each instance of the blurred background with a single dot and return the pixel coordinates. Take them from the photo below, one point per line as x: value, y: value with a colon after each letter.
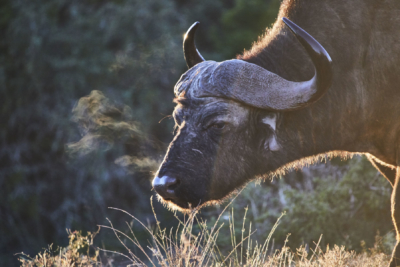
x: 86, y: 91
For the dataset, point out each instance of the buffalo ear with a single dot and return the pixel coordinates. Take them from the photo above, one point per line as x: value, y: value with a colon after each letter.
x: 271, y: 142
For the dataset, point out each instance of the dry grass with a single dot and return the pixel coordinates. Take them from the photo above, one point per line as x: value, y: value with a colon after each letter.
x: 76, y: 254
x: 184, y: 247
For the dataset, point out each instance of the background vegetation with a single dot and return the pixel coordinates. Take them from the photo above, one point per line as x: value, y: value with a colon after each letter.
x: 63, y: 163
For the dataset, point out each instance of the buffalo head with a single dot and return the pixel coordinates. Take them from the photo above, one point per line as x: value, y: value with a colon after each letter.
x: 225, y: 119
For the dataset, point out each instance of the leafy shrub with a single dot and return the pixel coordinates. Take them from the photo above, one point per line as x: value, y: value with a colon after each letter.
x: 347, y: 202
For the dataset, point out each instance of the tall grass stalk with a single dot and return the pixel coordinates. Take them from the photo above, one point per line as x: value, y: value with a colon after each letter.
x: 183, y: 247
x: 186, y: 247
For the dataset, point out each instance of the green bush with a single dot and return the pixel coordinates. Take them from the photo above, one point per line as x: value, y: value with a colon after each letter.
x: 348, y: 203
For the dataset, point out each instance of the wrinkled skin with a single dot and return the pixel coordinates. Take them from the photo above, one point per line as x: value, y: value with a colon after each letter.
x: 214, y: 151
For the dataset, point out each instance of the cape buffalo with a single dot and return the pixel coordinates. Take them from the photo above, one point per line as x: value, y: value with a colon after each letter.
x: 282, y: 104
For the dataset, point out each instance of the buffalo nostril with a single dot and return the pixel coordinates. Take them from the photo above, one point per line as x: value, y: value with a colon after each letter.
x: 165, y: 186
x: 172, y: 183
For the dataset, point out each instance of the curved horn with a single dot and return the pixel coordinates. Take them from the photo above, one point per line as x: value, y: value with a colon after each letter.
x: 322, y: 61
x: 192, y: 55
x: 270, y: 91
x: 255, y: 86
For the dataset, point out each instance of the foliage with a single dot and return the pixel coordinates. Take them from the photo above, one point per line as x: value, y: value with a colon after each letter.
x: 241, y: 24
x: 346, y: 202
x: 348, y: 207
x: 54, y: 53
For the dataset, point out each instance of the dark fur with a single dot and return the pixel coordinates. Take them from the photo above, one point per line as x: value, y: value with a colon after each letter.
x: 359, y: 113
x: 213, y: 172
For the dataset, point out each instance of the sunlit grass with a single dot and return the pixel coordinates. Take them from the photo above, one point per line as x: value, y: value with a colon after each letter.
x: 197, y: 246
x: 77, y: 253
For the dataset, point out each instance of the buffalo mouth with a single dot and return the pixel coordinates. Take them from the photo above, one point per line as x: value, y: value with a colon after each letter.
x: 178, y: 204
x: 174, y: 203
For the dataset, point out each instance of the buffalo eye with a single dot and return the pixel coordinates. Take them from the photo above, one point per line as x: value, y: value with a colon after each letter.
x: 218, y: 126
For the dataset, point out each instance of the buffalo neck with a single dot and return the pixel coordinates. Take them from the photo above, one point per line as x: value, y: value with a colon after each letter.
x: 338, y: 121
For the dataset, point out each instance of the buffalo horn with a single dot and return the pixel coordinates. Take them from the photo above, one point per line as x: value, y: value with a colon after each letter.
x: 251, y: 84
x: 322, y: 61
x: 192, y: 55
